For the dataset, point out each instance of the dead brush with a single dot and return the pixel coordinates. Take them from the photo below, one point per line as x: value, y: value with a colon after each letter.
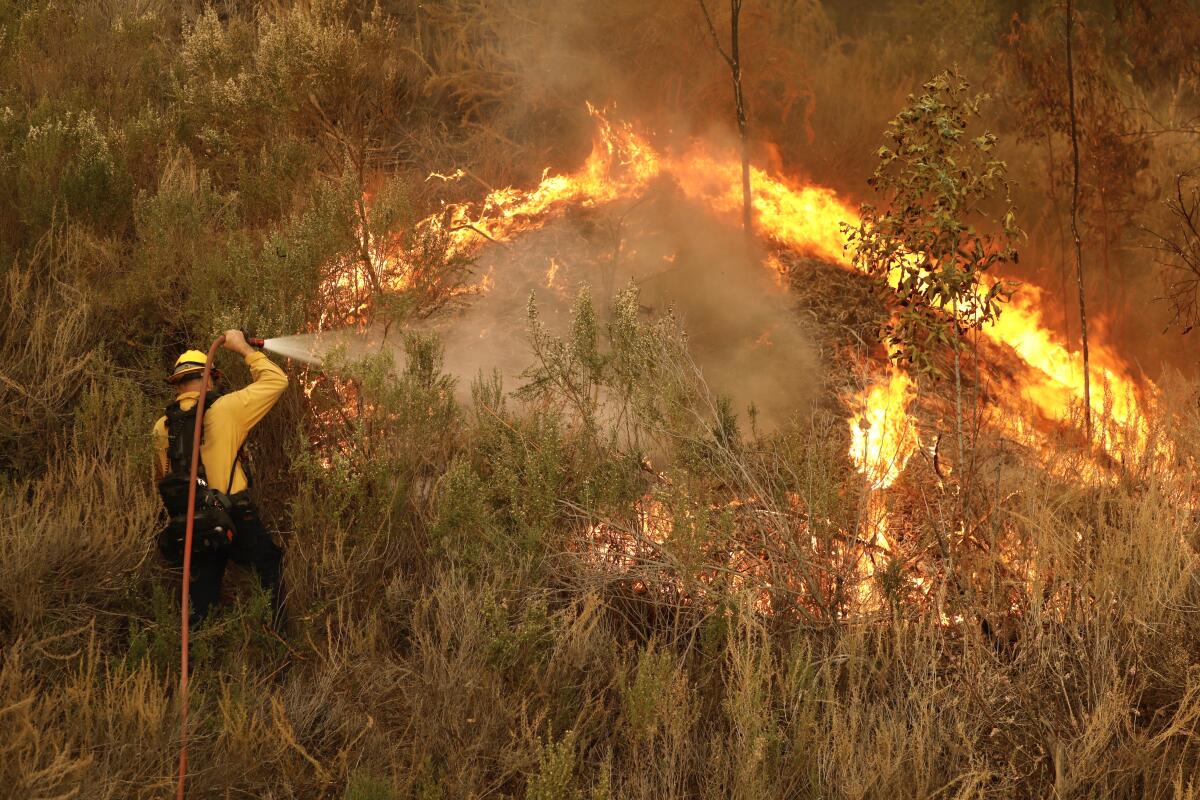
x: 103, y: 720
x: 44, y: 336
x: 616, y: 588
x: 77, y: 537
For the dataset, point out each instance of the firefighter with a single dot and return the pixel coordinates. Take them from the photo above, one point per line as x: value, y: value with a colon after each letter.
x: 227, y: 524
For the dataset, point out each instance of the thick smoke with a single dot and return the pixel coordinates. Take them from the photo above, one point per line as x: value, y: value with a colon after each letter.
x: 742, y: 330
x: 822, y: 79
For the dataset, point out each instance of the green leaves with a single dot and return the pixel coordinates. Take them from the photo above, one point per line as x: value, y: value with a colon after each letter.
x: 931, y: 240
x: 67, y: 167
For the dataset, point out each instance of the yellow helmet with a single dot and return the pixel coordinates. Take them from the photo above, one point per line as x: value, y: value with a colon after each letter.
x: 190, y: 365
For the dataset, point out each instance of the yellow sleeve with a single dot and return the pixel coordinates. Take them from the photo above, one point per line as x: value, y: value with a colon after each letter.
x: 249, y: 405
x: 160, y: 449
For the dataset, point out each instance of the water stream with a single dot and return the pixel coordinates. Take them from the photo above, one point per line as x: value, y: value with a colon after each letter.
x: 298, y: 348
x: 314, y: 348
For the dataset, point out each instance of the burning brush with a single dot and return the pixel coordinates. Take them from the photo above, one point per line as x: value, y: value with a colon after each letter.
x: 1042, y: 388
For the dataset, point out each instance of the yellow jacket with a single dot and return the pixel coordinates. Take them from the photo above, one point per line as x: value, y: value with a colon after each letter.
x: 227, y: 422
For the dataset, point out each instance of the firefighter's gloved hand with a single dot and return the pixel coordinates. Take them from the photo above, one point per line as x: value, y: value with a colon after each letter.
x: 235, y: 341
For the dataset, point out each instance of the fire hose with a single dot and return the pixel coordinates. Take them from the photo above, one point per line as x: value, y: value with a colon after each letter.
x: 187, y: 555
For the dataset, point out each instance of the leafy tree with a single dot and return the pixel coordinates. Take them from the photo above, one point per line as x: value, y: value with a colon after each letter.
x: 935, y: 236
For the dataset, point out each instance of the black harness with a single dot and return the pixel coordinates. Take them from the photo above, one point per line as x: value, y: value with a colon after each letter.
x: 213, y: 528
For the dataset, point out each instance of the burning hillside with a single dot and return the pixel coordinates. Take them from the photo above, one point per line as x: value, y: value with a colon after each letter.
x: 1044, y: 386
x: 751, y: 345
x: 645, y: 450
x: 670, y: 209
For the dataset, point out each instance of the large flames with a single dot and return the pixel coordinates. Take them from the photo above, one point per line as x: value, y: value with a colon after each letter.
x: 621, y: 164
x: 807, y: 219
x: 882, y: 434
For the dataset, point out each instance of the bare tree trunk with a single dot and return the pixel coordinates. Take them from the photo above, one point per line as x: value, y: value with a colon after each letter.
x: 1107, y: 242
x: 364, y: 240
x: 733, y: 59
x: 1087, y: 379
x: 735, y: 67
x: 961, y: 466
x: 1063, y: 265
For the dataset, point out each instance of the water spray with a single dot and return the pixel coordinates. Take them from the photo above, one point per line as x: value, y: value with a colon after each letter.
x: 308, y: 348
x: 286, y: 346
x: 312, y: 348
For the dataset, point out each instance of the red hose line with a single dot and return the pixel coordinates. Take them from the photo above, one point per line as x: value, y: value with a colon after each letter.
x: 187, y: 564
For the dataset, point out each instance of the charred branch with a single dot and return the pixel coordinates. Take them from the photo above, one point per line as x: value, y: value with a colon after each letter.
x: 1179, y: 251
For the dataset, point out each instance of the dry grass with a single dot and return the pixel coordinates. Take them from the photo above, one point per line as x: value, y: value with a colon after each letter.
x: 454, y: 634
x: 439, y: 678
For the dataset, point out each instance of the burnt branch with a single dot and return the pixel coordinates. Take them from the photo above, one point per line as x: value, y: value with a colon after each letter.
x: 1179, y: 251
x: 712, y: 29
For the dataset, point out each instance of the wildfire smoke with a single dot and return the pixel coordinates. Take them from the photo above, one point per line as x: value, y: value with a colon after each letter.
x: 806, y: 219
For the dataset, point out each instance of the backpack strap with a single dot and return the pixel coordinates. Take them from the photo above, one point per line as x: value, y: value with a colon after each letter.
x: 179, y: 437
x: 226, y: 498
x: 245, y: 462
x: 181, y: 429
x: 233, y: 470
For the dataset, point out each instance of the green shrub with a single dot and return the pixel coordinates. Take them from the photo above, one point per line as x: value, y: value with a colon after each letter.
x: 464, y: 529
x: 555, y: 778
x: 657, y: 696
x: 67, y: 169
x: 365, y: 786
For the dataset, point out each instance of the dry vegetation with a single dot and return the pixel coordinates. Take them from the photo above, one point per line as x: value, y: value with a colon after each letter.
x: 168, y: 169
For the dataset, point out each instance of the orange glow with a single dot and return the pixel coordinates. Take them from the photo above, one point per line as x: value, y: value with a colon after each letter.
x: 882, y: 434
x: 1055, y: 379
x: 805, y: 219
x: 621, y: 164
x: 551, y: 272
x: 778, y: 269
x: 883, y: 437
x: 875, y: 535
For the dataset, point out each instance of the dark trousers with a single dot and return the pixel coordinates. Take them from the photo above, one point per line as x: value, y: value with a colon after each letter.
x: 251, y: 547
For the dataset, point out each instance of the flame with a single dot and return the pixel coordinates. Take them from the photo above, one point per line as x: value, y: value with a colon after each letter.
x: 883, y: 437
x: 875, y: 534
x: 551, y: 272
x: 1055, y: 380
x: 806, y: 219
x: 882, y: 433
x: 621, y: 164
x: 779, y: 270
